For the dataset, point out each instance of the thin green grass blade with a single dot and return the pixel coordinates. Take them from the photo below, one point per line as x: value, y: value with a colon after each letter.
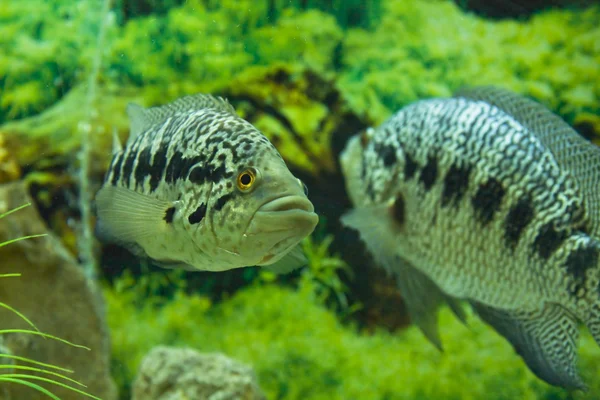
x: 21, y: 238
x: 46, y: 335
x: 39, y: 378
x: 31, y: 385
x: 42, y: 371
x: 12, y: 275
x: 14, y: 210
x: 24, y: 318
x: 29, y: 360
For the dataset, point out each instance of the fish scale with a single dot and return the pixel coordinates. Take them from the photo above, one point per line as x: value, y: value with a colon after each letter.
x: 492, y: 214
x: 197, y: 187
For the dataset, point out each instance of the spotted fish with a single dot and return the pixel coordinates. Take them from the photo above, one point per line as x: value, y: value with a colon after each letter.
x: 199, y: 188
x: 488, y: 198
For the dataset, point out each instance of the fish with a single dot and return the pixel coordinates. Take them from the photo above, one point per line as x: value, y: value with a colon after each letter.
x: 196, y: 187
x: 485, y: 199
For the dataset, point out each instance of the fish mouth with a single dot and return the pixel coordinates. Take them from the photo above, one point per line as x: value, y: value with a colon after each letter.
x: 287, y: 203
x: 286, y: 216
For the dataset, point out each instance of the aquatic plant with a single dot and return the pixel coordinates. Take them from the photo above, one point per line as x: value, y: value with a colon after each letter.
x: 300, y: 350
x: 322, y: 279
x: 45, y: 48
x: 24, y: 375
x: 424, y: 48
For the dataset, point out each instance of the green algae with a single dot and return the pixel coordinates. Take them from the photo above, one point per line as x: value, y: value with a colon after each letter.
x: 300, y: 350
x: 424, y: 49
x: 415, y: 50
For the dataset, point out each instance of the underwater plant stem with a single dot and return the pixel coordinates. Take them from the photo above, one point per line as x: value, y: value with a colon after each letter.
x: 30, y: 361
x: 45, y: 335
x: 21, y: 238
x: 39, y: 378
x: 31, y: 385
x: 14, y: 210
x: 42, y: 371
x: 86, y: 238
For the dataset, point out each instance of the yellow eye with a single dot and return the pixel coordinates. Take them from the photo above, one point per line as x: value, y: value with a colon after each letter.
x: 246, y: 179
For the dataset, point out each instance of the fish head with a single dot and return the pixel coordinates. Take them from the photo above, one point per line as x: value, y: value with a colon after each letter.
x: 266, y: 213
x: 279, y: 214
x: 352, y: 163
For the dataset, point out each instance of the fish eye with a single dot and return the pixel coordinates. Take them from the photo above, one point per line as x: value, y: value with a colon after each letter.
x: 246, y: 179
x: 365, y: 137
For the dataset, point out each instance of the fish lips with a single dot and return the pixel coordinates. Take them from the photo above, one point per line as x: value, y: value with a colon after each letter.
x: 283, y: 219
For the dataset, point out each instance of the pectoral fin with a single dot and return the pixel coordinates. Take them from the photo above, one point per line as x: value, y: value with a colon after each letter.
x: 125, y: 216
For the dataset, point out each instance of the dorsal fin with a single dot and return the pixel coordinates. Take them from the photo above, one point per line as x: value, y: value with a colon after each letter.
x: 572, y: 152
x: 143, y: 118
x: 117, y: 147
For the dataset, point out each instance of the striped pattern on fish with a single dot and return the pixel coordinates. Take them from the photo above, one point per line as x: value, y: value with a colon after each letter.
x: 193, y: 189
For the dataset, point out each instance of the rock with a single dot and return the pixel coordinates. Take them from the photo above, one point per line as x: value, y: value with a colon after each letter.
x: 176, y: 374
x: 54, y: 294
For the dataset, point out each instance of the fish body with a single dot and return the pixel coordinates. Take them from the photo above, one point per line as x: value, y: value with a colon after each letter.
x: 490, y: 198
x: 197, y: 187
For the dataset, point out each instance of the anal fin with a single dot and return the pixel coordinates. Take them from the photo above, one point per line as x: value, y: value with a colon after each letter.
x: 546, y: 339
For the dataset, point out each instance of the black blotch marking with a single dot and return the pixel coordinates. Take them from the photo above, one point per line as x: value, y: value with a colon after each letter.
x: 197, y: 215
x: 118, y: 162
x: 386, y: 153
x: 579, y: 262
x: 143, y: 166
x: 487, y: 200
x: 220, y: 203
x: 429, y: 173
x: 399, y: 210
x: 180, y: 167
x: 158, y: 167
x: 456, y: 183
x: 207, y: 173
x: 410, y: 167
x: 199, y: 175
x: 174, y: 167
x: 548, y: 240
x: 128, y: 168
x: 169, y: 215
x: 517, y: 219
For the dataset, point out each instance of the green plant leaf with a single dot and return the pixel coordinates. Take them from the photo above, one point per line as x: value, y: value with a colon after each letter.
x: 21, y: 238
x: 29, y: 360
x: 39, y: 378
x: 40, y: 370
x: 46, y: 335
x: 14, y: 210
x: 24, y: 318
x: 31, y: 385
